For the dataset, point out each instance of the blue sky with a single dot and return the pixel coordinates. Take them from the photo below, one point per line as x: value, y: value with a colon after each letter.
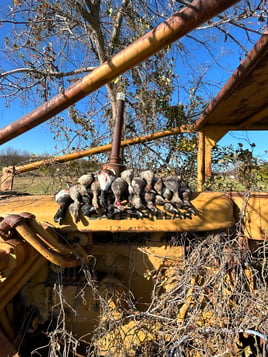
x: 40, y: 140
x: 260, y: 138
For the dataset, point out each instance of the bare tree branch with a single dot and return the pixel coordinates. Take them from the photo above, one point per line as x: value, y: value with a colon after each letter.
x: 46, y: 73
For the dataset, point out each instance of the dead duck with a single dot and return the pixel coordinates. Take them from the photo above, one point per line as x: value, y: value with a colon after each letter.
x: 95, y: 190
x: 128, y: 175
x: 168, y: 206
x: 185, y: 193
x: 86, y: 180
x: 148, y: 177
x: 162, y: 190
x: 137, y: 199
x: 64, y: 200
x: 72, y: 198
x: 74, y: 209
x: 172, y: 183
x: 119, y: 188
x: 150, y: 201
x: 105, y: 178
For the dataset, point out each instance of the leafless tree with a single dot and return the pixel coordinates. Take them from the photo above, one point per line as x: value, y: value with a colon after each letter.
x: 47, y: 45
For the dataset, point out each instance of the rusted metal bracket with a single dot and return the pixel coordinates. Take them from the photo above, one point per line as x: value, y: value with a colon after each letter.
x: 7, y: 178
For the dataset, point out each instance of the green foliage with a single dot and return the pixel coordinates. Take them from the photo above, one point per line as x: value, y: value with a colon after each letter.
x: 175, y: 114
x: 236, y: 170
x: 52, y: 44
x: 188, y: 144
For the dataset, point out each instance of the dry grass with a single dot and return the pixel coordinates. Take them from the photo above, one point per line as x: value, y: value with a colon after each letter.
x: 210, y: 305
x: 35, y: 185
x: 38, y: 185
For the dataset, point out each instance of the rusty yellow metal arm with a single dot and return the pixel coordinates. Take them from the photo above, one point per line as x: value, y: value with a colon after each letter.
x: 101, y: 149
x: 193, y: 15
x: 43, y: 242
x: 9, y: 172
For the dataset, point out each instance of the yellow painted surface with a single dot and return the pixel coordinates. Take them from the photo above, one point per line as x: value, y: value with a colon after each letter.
x: 207, y: 139
x: 214, y: 211
x: 254, y: 209
x: 133, y: 334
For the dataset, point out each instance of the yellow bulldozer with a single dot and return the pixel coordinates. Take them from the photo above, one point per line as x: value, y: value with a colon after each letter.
x: 189, y: 282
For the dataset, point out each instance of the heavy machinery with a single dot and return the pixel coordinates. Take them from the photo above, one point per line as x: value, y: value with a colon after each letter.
x: 188, y: 283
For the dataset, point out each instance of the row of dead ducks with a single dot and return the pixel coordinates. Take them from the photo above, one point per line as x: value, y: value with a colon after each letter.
x: 103, y: 193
